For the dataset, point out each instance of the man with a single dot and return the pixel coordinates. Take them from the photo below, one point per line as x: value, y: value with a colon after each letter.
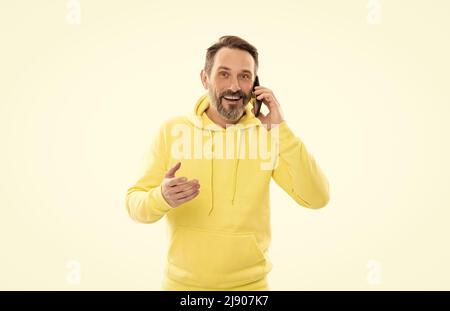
x: 217, y: 207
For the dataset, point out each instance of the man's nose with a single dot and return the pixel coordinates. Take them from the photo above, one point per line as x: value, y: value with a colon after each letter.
x: 235, y: 87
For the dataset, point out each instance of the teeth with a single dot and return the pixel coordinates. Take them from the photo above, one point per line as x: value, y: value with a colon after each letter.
x: 232, y: 97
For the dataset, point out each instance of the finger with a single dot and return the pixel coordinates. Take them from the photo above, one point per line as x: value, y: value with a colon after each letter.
x: 188, y: 198
x: 171, y: 172
x: 180, y: 195
x: 263, y: 96
x: 259, y: 89
x: 185, y: 186
x: 179, y: 181
x: 186, y: 192
x: 176, y: 181
x: 178, y: 191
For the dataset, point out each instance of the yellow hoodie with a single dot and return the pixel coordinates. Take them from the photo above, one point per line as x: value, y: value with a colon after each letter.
x: 220, y: 239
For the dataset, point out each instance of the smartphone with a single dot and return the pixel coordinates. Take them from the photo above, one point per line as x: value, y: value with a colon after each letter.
x: 258, y: 103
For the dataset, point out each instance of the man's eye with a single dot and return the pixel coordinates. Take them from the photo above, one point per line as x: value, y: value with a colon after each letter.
x: 246, y: 76
x: 224, y: 74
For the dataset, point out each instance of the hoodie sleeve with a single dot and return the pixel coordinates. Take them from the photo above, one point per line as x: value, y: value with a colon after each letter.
x: 297, y: 172
x: 144, y: 200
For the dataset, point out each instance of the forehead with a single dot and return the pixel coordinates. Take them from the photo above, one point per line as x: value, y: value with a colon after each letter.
x: 234, y: 59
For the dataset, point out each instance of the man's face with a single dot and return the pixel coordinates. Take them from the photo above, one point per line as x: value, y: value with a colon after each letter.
x: 231, y: 81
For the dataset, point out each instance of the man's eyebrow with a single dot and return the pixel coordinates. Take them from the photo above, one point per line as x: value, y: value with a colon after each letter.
x: 226, y: 68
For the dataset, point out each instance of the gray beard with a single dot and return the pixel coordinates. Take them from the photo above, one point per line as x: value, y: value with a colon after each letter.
x: 233, y: 114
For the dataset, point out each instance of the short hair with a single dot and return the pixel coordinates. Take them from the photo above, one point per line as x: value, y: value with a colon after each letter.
x: 232, y: 42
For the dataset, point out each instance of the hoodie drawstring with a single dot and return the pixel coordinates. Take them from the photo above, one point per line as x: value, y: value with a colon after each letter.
x: 211, y: 174
x: 236, y: 164
x: 235, y: 168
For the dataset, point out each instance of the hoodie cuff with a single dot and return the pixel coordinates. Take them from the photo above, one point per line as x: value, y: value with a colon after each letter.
x: 161, y: 202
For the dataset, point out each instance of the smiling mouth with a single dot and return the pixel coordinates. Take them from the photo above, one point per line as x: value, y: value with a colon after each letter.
x: 232, y: 99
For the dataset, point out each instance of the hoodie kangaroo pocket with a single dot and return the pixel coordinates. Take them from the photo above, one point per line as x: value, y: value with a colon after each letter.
x: 214, y: 259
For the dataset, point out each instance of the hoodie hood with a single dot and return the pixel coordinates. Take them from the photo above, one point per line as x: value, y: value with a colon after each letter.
x: 200, y: 119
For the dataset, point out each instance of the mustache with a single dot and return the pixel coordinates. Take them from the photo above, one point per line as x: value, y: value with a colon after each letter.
x: 238, y: 93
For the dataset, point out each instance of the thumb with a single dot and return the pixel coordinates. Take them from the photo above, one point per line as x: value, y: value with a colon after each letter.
x: 171, y: 172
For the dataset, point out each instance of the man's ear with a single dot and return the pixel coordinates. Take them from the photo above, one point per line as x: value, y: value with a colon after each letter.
x: 204, y: 78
